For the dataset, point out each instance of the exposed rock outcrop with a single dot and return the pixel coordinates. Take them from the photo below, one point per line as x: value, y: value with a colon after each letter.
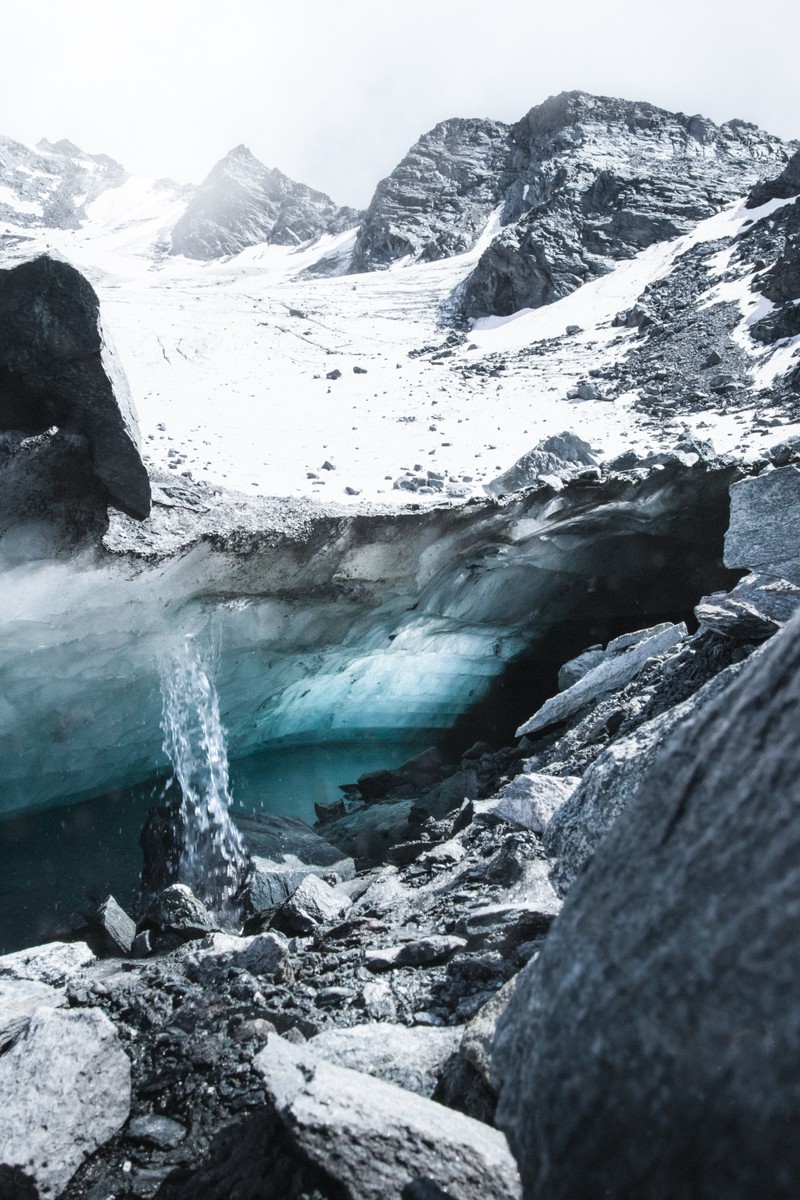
x: 59, y: 376
x: 666, y: 991
x: 243, y: 203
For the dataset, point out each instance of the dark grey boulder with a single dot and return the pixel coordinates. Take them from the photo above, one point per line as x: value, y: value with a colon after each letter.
x: 58, y: 369
x: 653, y: 1049
x: 176, y: 912
x: 283, y: 851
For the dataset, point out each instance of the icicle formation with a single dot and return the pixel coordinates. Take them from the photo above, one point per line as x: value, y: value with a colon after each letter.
x: 211, y: 860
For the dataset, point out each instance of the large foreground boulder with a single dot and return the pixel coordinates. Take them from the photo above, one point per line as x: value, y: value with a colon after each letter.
x: 65, y: 1089
x: 653, y: 1049
x: 59, y: 370
x: 375, y: 1140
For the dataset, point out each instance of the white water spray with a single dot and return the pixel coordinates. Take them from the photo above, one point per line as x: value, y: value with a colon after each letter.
x: 211, y: 857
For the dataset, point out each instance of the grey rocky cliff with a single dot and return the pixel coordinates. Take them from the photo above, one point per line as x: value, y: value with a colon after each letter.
x: 579, y: 183
x: 437, y: 201
x: 243, y: 203
x: 599, y: 179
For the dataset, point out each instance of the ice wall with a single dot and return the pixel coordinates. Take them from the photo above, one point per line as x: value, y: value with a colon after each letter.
x: 327, y: 627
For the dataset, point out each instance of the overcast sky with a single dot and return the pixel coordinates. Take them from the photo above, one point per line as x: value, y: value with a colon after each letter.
x: 335, y: 91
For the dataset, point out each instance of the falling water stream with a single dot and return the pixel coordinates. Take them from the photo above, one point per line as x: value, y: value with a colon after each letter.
x: 211, y: 856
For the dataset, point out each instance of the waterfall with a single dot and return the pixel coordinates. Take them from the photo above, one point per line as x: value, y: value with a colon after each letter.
x: 211, y: 858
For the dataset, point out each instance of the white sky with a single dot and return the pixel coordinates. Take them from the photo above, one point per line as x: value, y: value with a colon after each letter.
x: 335, y: 91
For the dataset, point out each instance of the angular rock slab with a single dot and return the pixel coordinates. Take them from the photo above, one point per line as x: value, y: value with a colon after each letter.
x: 375, y: 1139
x: 410, y: 1057
x: 764, y: 530
x: 284, y: 851
x: 313, y: 903
x: 59, y: 368
x: 611, y: 674
x: 654, y: 1046
x: 65, y: 1089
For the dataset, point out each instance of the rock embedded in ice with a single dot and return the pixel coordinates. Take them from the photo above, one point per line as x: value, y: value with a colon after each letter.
x: 313, y: 903
x: 410, y: 1057
x: 66, y: 1088
x: 60, y: 369
x: 385, y: 1137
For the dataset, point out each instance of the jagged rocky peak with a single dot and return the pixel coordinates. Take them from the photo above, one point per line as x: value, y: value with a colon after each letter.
x: 598, y: 179
x: 242, y: 203
x: 51, y: 186
x: 783, y: 187
x: 579, y: 182
x: 438, y: 199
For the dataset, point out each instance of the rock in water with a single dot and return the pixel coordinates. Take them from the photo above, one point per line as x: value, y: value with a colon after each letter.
x: 654, y: 1046
x: 59, y: 369
x: 65, y: 1089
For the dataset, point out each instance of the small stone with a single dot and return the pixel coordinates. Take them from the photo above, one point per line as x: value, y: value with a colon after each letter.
x: 155, y: 1130
x: 334, y: 374
x: 426, y: 952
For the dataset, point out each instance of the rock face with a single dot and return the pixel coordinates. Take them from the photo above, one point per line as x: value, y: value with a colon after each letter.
x: 65, y: 1088
x: 764, y: 532
x: 59, y: 370
x: 653, y: 1048
x: 439, y: 198
x: 243, y: 203
x: 579, y: 183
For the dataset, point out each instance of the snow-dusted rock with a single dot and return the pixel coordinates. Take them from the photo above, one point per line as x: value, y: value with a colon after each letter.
x: 65, y: 1088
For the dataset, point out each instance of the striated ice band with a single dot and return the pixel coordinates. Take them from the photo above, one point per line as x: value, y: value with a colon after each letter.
x: 211, y: 857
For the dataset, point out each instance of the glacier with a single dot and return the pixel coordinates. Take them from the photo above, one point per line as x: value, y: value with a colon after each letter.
x: 325, y: 625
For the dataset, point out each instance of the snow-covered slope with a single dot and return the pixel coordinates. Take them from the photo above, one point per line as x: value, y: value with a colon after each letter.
x: 230, y: 360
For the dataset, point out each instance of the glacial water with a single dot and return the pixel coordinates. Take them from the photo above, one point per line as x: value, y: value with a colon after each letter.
x: 55, y: 860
